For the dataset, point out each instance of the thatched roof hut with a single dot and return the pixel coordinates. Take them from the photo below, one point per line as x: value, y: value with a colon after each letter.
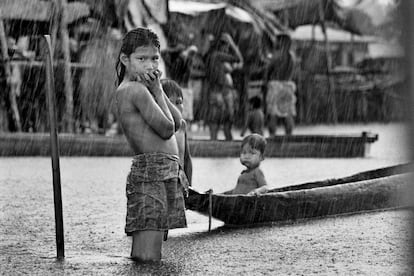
x: 28, y: 17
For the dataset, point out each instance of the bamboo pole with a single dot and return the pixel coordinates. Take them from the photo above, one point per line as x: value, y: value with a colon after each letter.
x: 8, y: 73
x: 64, y: 36
x: 408, y: 30
x: 54, y: 25
x: 54, y: 146
x: 331, y: 84
x: 407, y: 11
x: 210, y: 208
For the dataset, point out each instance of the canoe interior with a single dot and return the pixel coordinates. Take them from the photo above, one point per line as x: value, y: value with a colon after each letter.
x: 27, y: 144
x: 377, y: 189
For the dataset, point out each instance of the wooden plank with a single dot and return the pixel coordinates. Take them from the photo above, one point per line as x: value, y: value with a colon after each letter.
x: 34, y: 63
x: 27, y: 144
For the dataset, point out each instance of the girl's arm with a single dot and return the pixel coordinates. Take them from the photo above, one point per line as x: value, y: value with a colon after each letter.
x: 153, y: 109
x: 176, y: 114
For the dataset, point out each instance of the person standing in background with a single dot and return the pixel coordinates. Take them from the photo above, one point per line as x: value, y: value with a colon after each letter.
x: 280, y: 92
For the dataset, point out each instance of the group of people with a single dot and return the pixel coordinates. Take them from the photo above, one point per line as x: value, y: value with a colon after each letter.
x: 150, y: 113
x: 205, y: 74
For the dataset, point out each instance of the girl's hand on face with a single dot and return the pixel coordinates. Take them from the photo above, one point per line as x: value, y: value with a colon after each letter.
x: 152, y: 81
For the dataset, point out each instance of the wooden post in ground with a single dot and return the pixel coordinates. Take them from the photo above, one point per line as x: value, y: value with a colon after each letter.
x: 331, y: 84
x: 210, y: 208
x: 8, y: 73
x: 54, y: 146
x: 407, y: 12
x: 68, y: 119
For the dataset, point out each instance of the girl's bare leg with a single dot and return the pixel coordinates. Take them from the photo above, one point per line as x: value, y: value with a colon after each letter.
x: 146, y: 246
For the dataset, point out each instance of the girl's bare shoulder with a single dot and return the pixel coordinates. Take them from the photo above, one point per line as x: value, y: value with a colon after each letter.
x: 132, y: 88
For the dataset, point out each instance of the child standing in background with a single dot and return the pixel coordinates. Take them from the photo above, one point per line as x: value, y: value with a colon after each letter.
x: 175, y: 95
x: 255, y: 117
x: 251, y: 181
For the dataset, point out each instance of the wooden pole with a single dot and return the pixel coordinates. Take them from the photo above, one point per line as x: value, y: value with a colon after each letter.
x: 407, y: 12
x: 313, y: 33
x: 64, y: 36
x: 54, y: 25
x: 210, y: 208
x: 54, y: 146
x: 8, y: 73
x: 331, y: 84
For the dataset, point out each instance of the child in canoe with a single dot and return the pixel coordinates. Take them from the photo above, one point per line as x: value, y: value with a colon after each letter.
x: 251, y: 181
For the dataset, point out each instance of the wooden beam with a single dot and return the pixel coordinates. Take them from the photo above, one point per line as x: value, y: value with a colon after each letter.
x: 54, y: 145
x: 33, y: 63
x: 8, y: 73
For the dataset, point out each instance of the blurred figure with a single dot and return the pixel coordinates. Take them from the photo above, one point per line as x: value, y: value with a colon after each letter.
x: 221, y: 58
x: 280, y: 93
x: 255, y: 118
x: 178, y: 62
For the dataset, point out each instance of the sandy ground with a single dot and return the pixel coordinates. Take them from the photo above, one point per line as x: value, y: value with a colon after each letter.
x: 94, y: 214
x: 366, y: 244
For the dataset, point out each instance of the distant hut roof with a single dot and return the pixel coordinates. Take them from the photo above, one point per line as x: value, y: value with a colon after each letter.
x: 39, y: 11
x: 304, y: 12
x: 109, y: 12
x: 384, y: 49
x: 195, y: 8
x: 32, y: 17
x: 334, y: 35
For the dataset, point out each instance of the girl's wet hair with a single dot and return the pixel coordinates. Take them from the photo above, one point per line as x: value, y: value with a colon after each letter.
x: 171, y: 88
x: 255, y: 141
x: 139, y: 37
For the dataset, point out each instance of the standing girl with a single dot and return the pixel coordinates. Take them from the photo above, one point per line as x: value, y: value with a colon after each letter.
x: 149, y: 120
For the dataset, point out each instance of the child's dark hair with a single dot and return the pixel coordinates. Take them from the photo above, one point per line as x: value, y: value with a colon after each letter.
x: 171, y: 88
x: 255, y: 141
x: 255, y: 102
x: 138, y: 37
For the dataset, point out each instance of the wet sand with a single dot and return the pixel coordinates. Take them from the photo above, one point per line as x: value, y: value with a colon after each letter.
x: 94, y: 215
x: 367, y: 244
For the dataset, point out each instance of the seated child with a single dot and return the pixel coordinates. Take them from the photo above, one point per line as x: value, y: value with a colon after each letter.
x: 251, y: 181
x: 175, y: 95
x: 255, y: 117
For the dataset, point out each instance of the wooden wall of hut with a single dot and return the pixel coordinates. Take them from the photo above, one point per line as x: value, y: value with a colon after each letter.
x: 378, y: 100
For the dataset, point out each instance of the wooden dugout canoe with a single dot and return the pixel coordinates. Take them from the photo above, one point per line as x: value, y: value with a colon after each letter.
x: 372, y: 190
x: 29, y: 144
